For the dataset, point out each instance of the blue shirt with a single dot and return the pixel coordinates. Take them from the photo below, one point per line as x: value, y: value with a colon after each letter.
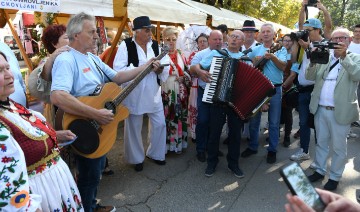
x: 270, y: 70
x: 76, y: 73
x: 205, y: 58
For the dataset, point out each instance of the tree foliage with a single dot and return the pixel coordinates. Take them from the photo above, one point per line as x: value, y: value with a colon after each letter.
x: 344, y: 13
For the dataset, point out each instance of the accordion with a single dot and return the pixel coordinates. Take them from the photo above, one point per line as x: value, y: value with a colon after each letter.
x: 239, y: 85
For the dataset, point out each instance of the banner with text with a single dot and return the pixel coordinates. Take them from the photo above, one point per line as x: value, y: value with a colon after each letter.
x: 33, y: 5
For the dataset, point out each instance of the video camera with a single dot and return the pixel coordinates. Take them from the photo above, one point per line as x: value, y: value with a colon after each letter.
x: 312, y: 3
x: 321, y: 54
x: 302, y: 34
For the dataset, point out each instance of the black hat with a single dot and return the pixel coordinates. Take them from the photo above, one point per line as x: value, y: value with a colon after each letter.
x: 142, y: 22
x: 249, y: 25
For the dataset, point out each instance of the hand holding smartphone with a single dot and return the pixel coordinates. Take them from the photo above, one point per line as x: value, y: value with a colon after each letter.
x: 300, y: 185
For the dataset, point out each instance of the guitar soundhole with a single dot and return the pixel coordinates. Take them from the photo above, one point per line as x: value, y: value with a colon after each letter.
x: 111, y: 106
x: 88, y: 138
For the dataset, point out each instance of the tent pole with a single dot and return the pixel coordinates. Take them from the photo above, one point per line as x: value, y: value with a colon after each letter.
x: 158, y: 31
x: 18, y: 42
x: 117, y: 37
x: 129, y: 30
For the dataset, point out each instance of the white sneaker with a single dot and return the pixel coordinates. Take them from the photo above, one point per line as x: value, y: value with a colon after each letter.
x: 300, y: 155
x: 313, y: 165
x: 351, y: 135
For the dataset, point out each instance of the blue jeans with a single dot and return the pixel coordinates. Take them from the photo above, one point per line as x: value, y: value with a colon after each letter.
x: 202, y: 125
x: 274, y: 123
x: 88, y: 179
x: 304, y: 102
x: 217, y: 120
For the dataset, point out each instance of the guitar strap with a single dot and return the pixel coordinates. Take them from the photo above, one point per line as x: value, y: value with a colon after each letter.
x: 101, y: 71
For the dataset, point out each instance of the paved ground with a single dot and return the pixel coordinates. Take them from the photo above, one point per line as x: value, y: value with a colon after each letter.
x: 180, y: 185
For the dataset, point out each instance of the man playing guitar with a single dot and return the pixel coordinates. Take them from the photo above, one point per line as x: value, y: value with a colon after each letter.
x: 75, y: 74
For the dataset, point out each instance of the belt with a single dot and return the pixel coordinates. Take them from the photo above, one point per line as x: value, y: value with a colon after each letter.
x: 328, y: 107
x: 278, y: 85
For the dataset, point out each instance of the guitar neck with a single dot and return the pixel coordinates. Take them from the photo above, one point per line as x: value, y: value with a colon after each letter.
x: 127, y: 90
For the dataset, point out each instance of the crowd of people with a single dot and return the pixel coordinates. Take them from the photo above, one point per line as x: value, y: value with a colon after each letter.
x: 171, y: 96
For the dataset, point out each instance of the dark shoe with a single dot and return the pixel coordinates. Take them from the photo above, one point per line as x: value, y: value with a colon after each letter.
x: 248, y: 152
x: 315, y: 177
x: 220, y: 154
x: 193, y: 140
x: 331, y: 185
x: 108, y: 172
x: 209, y: 171
x: 297, y: 134
x: 158, y: 162
x: 286, y: 142
x: 100, y: 208
x: 139, y: 167
x: 237, y: 172
x: 201, y: 156
x: 271, y: 157
x: 226, y: 141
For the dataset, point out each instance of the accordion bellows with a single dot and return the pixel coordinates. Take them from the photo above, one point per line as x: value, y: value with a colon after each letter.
x: 239, y: 85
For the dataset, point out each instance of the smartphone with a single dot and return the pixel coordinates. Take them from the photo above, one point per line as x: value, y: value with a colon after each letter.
x: 332, y: 45
x: 300, y: 185
x: 67, y: 142
x: 166, y: 64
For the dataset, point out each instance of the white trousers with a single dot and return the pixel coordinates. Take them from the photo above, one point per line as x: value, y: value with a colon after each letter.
x: 330, y: 133
x: 133, y: 144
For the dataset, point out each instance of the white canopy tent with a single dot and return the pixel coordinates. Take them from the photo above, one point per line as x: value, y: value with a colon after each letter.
x: 171, y: 11
x: 220, y: 15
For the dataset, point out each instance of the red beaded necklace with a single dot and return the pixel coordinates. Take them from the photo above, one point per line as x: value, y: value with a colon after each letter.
x: 25, y: 114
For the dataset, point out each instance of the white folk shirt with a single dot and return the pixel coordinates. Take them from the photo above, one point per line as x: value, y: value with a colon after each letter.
x: 243, y: 48
x: 327, y: 91
x: 146, y: 96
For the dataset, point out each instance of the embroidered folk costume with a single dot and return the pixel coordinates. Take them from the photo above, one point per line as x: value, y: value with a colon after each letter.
x: 175, y: 99
x: 49, y: 176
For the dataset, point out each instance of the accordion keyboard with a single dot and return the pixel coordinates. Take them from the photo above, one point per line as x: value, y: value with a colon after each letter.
x: 210, y: 88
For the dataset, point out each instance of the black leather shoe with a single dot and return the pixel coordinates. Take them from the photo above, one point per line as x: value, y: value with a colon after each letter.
x: 331, y: 185
x: 247, y: 153
x: 315, y: 177
x: 201, y: 156
x: 139, y: 167
x: 158, y: 162
x: 286, y: 142
x: 271, y: 157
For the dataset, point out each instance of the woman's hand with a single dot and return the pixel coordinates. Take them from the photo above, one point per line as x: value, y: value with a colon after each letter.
x: 64, y: 135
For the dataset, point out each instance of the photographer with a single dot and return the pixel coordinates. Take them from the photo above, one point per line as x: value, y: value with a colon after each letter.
x: 312, y: 33
x: 334, y: 104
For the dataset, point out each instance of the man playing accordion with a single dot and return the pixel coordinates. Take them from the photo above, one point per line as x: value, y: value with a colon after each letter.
x: 220, y: 112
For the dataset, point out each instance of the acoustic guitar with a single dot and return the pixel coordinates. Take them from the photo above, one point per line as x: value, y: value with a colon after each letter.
x: 260, y: 63
x: 95, y: 140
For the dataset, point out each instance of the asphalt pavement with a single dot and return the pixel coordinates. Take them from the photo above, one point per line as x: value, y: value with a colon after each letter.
x: 181, y: 185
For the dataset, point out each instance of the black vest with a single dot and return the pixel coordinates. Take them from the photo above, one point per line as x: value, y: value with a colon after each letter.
x: 132, y: 53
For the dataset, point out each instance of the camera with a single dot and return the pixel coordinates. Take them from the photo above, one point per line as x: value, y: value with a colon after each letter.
x: 312, y: 3
x: 302, y: 34
x: 329, y: 45
x: 321, y: 54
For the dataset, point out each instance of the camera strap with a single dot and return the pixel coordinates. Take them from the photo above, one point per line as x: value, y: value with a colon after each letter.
x: 333, y: 65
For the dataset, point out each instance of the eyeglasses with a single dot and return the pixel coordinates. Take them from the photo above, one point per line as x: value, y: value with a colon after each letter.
x: 170, y: 40
x: 202, y: 41
x: 356, y: 31
x: 288, y: 41
x: 237, y: 37
x: 339, y: 38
